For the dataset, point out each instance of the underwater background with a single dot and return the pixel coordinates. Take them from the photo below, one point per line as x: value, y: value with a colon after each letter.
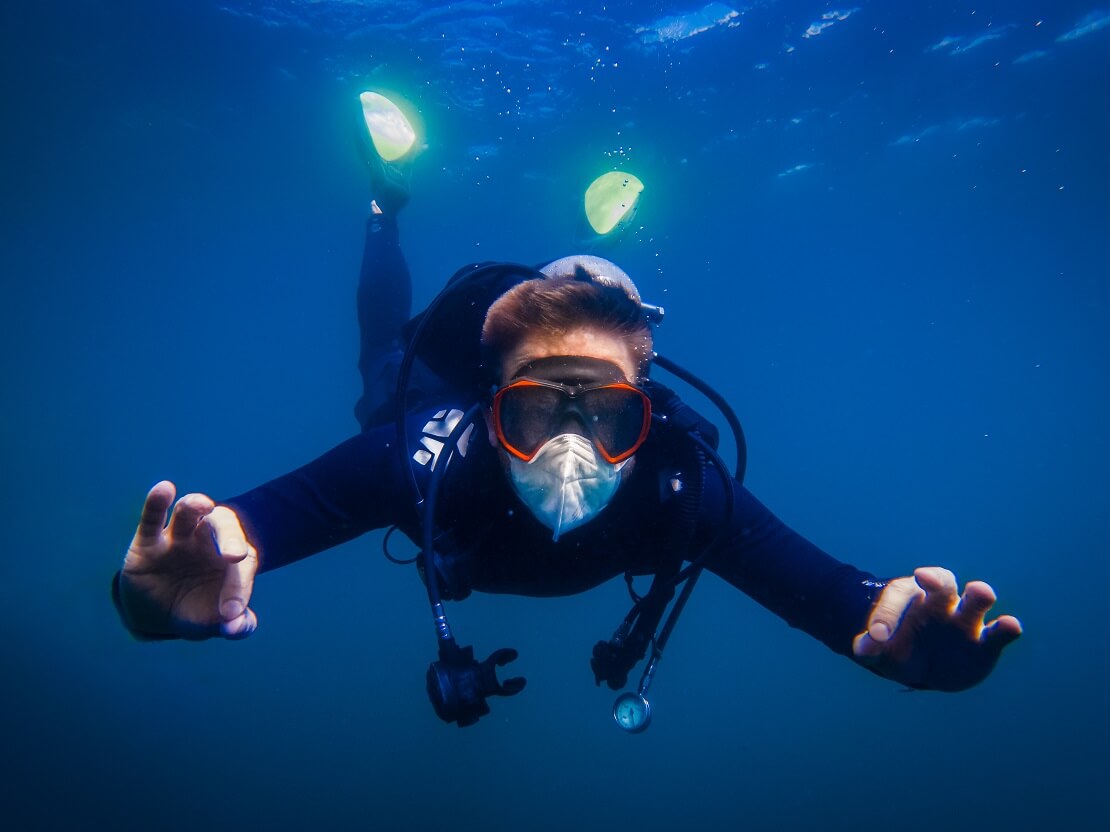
x: 879, y: 229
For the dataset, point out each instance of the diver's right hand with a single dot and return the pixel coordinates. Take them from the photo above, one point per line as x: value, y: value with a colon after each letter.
x: 191, y: 578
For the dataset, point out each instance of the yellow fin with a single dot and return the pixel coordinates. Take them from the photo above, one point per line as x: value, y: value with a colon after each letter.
x: 392, y: 133
x: 611, y: 199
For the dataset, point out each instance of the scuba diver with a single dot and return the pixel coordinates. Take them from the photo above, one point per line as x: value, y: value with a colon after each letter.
x: 514, y: 431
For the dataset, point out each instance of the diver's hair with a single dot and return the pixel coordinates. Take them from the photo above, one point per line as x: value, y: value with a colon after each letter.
x: 555, y: 306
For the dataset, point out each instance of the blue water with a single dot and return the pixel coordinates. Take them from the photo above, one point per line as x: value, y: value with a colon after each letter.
x: 884, y: 242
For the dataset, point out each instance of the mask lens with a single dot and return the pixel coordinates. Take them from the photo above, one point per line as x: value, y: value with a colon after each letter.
x: 526, y: 415
x: 617, y: 418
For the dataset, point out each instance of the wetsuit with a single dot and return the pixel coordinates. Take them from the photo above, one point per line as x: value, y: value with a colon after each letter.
x: 489, y: 540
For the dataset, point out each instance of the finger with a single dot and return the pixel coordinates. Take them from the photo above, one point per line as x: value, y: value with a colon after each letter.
x: 864, y: 647
x: 887, y: 613
x: 942, y: 593
x: 976, y: 602
x: 241, y: 627
x: 1002, y: 631
x: 237, y: 619
x: 153, y: 519
x: 187, y: 515
x: 242, y: 564
x: 227, y: 532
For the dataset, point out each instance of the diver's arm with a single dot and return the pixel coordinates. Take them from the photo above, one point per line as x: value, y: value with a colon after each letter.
x: 918, y: 630
x: 784, y: 572
x: 353, y: 488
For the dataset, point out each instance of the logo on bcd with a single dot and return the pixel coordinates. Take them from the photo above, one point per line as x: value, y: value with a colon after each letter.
x: 435, y: 432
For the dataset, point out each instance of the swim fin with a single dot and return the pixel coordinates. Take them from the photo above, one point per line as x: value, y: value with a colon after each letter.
x: 387, y: 144
x: 611, y: 201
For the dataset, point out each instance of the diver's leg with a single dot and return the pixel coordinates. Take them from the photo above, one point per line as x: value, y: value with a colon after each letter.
x: 387, y: 144
x: 384, y: 304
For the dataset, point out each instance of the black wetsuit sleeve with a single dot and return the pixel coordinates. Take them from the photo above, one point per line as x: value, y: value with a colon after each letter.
x: 809, y: 589
x: 351, y: 489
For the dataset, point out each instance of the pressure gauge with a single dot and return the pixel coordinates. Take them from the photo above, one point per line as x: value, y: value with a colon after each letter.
x: 632, y: 712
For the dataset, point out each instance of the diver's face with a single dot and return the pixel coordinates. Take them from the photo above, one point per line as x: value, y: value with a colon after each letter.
x: 565, y: 464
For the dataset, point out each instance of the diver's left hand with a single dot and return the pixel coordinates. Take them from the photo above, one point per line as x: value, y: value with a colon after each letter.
x: 923, y: 634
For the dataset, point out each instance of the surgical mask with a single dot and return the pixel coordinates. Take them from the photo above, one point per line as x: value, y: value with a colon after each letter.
x: 567, y: 483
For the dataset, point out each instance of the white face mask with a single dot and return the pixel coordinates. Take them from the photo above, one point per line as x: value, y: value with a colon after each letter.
x: 567, y: 483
